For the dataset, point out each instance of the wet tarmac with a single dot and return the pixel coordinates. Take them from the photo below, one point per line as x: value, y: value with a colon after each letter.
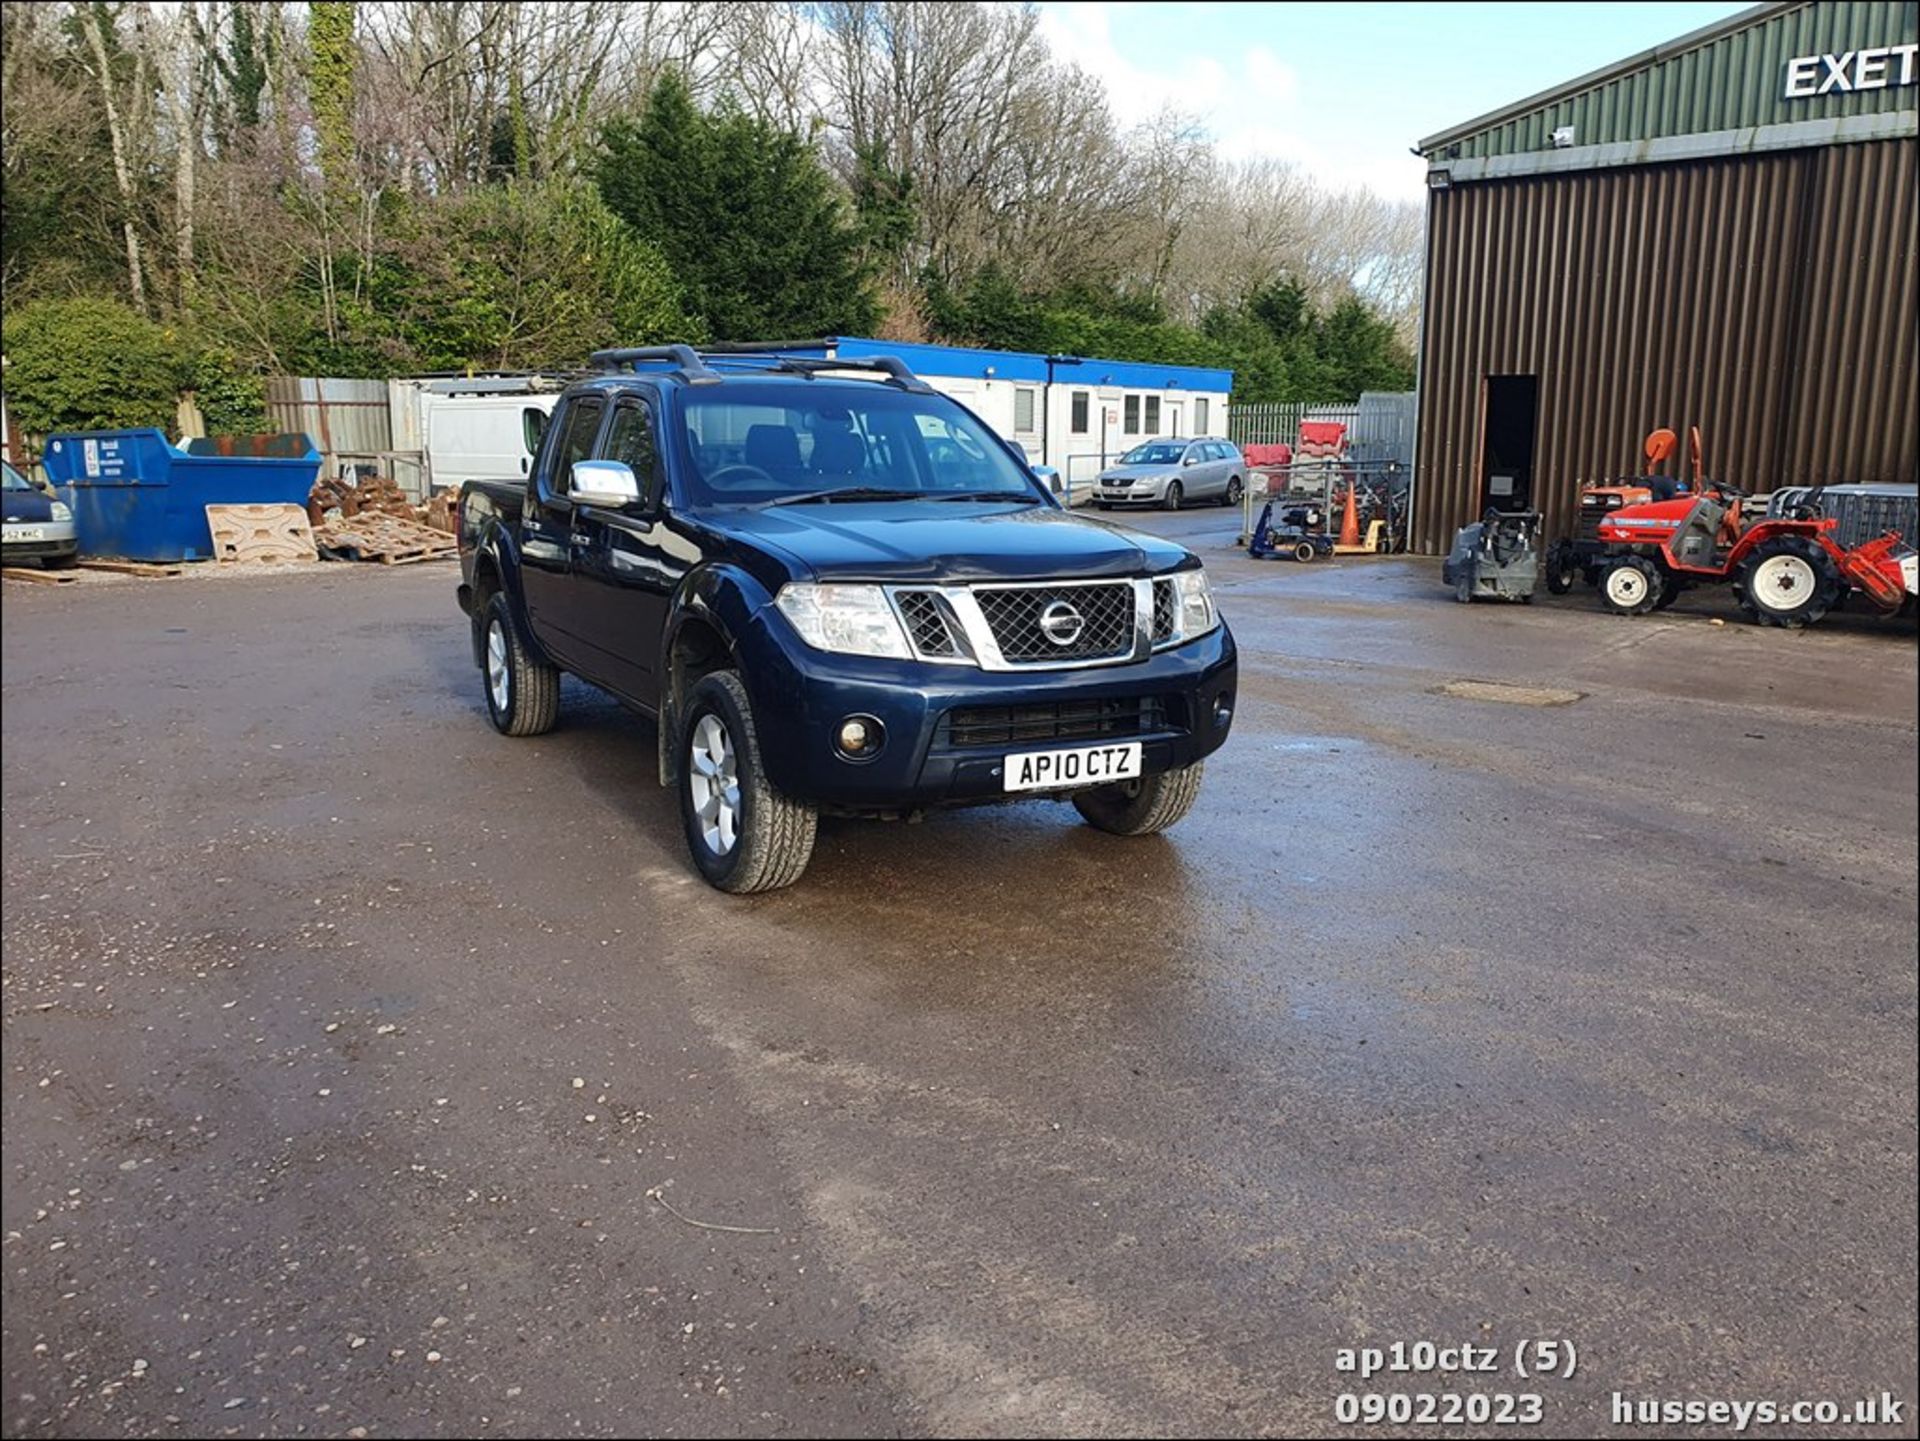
x: 367, y: 1073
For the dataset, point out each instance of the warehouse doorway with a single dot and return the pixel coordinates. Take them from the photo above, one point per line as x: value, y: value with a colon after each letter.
x: 1510, y: 407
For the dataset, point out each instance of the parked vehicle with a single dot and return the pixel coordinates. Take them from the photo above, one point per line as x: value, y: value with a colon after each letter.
x: 38, y: 525
x: 1495, y: 558
x: 836, y: 590
x: 1583, y: 555
x: 1172, y: 472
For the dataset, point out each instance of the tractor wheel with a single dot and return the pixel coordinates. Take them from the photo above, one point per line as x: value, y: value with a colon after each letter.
x: 1562, y: 569
x: 1788, y: 581
x: 1631, y: 585
x: 1670, y: 589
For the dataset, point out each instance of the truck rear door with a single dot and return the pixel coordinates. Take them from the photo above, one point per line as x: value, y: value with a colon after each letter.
x: 547, y: 534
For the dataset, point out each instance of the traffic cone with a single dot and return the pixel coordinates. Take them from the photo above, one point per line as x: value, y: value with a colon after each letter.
x: 1350, y: 522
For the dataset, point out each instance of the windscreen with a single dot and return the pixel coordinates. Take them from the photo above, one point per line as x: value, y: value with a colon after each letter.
x: 1153, y: 453
x: 15, y: 480
x: 753, y: 443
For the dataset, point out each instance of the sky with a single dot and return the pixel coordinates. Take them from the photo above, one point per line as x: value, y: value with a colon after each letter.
x: 1344, y: 90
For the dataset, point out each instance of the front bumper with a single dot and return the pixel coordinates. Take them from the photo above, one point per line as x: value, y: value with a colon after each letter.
x: 801, y: 696
x: 55, y: 538
x: 1151, y: 493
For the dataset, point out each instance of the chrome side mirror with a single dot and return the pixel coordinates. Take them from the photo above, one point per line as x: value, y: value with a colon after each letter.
x: 603, y: 482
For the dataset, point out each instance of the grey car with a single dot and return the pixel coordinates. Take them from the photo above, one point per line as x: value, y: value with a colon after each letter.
x: 1172, y: 471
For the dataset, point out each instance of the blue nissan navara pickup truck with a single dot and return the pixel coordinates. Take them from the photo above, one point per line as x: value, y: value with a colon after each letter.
x: 836, y: 590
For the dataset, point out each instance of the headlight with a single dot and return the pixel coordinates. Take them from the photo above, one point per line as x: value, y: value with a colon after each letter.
x: 850, y: 619
x: 59, y: 511
x: 1194, y: 614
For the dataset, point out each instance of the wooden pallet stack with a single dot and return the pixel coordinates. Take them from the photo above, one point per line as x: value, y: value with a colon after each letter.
x: 372, y: 520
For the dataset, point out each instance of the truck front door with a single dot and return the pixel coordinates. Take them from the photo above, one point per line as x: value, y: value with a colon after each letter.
x: 628, y: 561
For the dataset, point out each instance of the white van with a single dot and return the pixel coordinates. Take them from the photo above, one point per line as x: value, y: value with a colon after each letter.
x: 469, y: 436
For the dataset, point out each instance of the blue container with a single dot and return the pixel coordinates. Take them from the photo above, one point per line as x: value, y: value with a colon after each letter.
x: 135, y: 497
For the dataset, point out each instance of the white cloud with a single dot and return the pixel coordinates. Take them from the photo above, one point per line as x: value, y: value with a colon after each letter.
x: 1250, y: 102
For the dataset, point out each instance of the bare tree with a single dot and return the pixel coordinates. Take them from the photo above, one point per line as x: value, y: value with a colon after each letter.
x: 125, y: 120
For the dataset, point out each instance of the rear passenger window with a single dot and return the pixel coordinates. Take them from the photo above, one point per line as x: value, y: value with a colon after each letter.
x: 576, y: 440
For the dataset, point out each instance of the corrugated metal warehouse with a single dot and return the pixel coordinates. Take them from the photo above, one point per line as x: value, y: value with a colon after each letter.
x: 1719, y: 232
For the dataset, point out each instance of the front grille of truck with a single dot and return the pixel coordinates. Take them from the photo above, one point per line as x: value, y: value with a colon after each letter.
x: 1015, y: 613
x: 931, y: 624
x: 1162, y: 611
x: 1077, y: 720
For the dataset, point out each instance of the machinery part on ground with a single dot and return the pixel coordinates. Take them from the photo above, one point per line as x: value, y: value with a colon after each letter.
x: 1632, y: 585
x: 1789, y: 581
x: 1498, y: 557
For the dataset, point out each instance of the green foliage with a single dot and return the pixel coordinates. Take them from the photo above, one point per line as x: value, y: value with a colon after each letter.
x: 89, y: 364
x: 244, y: 65
x: 745, y: 215
x: 525, y: 275
x: 330, y: 65
x: 232, y: 400
x: 1278, y: 346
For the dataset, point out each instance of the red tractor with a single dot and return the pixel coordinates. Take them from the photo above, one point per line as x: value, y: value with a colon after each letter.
x: 1786, y: 571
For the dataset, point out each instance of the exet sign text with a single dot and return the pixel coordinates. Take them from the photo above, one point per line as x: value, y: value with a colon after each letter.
x: 1875, y: 69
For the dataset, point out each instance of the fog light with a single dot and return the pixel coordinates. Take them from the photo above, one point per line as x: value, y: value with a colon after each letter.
x: 859, y: 737
x: 1222, y: 709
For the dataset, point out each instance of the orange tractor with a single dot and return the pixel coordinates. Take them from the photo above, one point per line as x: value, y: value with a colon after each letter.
x: 1786, y: 570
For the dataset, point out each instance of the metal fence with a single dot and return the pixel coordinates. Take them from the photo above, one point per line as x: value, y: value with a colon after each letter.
x: 351, y: 421
x: 1379, y: 426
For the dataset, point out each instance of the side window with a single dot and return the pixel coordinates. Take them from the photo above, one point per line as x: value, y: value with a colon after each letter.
x: 1200, y: 414
x: 1215, y: 450
x: 1153, y: 414
x: 630, y: 440
x: 1079, y: 426
x: 581, y: 423
x: 1132, y: 426
x: 1023, y: 411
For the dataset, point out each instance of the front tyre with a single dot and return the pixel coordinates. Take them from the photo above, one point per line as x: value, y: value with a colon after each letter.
x: 1562, y: 567
x: 523, y: 694
x: 1175, y: 494
x: 1145, y: 806
x: 744, y: 835
x: 1632, y: 585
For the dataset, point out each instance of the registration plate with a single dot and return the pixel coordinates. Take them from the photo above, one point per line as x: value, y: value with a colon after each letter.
x: 24, y: 532
x: 1081, y: 766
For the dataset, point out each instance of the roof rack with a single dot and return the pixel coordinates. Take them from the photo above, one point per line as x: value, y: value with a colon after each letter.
x: 890, y: 366
x: 695, y: 366
x: 683, y: 357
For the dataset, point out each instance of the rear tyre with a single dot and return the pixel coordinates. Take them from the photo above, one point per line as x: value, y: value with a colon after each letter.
x: 1101, y: 505
x: 744, y: 835
x: 1304, y: 552
x: 1631, y: 585
x: 1789, y: 581
x: 523, y: 694
x: 1463, y: 587
x: 1561, y: 569
x: 1234, y: 491
x: 1175, y: 494
x: 1144, y: 806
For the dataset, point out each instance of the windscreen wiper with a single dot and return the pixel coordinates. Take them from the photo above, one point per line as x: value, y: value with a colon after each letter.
x: 979, y: 495
x: 857, y: 492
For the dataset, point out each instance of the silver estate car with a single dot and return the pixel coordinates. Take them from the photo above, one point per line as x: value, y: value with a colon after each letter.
x: 1173, y: 471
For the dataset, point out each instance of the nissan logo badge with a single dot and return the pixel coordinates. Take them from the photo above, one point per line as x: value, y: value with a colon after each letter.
x: 1061, y: 623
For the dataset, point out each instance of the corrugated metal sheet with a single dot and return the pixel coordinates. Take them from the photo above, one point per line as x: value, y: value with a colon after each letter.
x: 1734, y: 79
x: 1770, y: 299
x: 344, y: 417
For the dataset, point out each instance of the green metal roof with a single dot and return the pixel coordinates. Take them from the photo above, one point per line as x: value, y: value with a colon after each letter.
x: 1729, y: 76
